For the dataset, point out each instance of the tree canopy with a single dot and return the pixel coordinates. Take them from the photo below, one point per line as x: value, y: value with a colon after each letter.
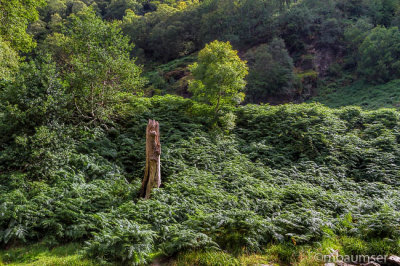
x: 219, y: 75
x: 271, y: 71
x: 380, y: 55
x: 8, y: 60
x: 94, y: 58
x: 15, y: 15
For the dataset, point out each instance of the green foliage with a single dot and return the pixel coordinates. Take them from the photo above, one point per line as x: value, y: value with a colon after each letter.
x: 33, y: 109
x: 185, y: 30
x: 331, y: 35
x: 218, y: 76
x: 15, y: 16
x: 380, y: 55
x: 122, y: 240
x: 94, y: 58
x: 36, y: 97
x: 271, y: 71
x: 327, y: 31
x: 170, y: 78
x: 285, y: 252
x: 354, y: 246
x: 280, y: 180
x: 206, y: 258
x: 285, y: 174
x: 382, y: 12
x: 40, y: 254
x: 165, y: 27
x: 242, y: 23
x: 116, y: 8
x: 354, y: 36
x: 365, y: 95
x: 8, y: 61
x: 383, y: 224
x: 296, y: 26
x: 312, y: 25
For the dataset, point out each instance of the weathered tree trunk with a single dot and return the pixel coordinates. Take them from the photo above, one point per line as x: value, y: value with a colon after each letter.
x: 152, y: 174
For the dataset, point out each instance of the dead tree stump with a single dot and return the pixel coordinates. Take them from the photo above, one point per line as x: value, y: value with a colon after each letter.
x: 152, y: 174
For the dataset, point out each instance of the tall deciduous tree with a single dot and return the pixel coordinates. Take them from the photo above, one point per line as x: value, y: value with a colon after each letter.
x: 94, y: 58
x: 218, y: 75
x: 271, y: 71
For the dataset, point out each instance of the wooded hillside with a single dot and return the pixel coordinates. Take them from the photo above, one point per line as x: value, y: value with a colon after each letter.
x: 275, y: 143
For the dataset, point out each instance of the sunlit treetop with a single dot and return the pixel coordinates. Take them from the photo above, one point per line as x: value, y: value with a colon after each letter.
x: 15, y: 15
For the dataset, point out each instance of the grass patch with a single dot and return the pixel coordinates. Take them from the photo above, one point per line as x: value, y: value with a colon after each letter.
x: 217, y: 258
x: 210, y: 258
x: 278, y: 254
x: 40, y: 255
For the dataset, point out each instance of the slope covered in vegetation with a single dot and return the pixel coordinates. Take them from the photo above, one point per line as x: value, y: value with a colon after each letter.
x: 79, y: 80
x: 294, y: 174
x: 290, y: 46
x: 362, y: 94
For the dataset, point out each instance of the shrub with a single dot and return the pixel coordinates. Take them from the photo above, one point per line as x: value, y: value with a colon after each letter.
x: 122, y: 240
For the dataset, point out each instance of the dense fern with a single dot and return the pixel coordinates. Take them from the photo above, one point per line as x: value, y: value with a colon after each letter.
x: 285, y: 174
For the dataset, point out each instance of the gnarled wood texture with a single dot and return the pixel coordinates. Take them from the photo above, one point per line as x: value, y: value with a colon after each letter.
x: 152, y: 174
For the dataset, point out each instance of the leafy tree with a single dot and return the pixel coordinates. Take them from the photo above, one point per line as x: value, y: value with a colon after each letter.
x: 271, y: 71
x: 55, y: 7
x: 352, y: 8
x: 15, y: 15
x: 38, y: 30
x: 78, y: 6
x: 240, y: 22
x: 33, y: 102
x: 331, y: 34
x: 396, y: 19
x: 55, y: 23
x: 36, y: 97
x: 295, y: 28
x: 354, y: 35
x: 382, y: 12
x: 218, y: 75
x: 14, y: 18
x: 94, y: 58
x: 186, y: 27
x: 165, y: 27
x: 117, y: 8
x: 380, y: 55
x: 8, y: 61
x: 178, y: 32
